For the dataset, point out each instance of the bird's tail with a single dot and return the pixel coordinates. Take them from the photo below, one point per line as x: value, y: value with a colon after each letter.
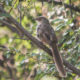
x: 58, y: 60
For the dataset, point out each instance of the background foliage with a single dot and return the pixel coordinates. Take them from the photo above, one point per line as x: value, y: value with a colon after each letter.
x: 20, y: 59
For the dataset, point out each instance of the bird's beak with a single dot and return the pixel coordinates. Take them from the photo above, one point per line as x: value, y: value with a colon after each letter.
x: 36, y: 18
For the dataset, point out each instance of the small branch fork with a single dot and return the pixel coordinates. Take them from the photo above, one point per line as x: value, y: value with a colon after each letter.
x: 14, y: 26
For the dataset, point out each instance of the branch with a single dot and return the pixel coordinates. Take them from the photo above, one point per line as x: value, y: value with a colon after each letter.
x: 13, y: 29
x: 38, y: 43
x: 75, y: 8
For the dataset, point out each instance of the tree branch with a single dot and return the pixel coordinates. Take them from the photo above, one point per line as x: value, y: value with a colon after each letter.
x: 38, y: 43
x: 13, y: 29
x: 75, y: 8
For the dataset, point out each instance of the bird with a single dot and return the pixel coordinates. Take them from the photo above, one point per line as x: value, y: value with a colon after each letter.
x: 46, y: 35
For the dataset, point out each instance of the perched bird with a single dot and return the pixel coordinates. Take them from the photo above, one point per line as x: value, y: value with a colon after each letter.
x: 46, y: 35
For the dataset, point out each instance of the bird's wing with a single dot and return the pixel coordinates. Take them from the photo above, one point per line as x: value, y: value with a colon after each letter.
x: 49, y: 34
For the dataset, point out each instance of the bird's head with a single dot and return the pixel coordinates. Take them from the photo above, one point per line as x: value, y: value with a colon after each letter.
x: 41, y: 19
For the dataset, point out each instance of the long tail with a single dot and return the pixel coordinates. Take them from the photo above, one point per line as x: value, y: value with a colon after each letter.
x: 58, y: 60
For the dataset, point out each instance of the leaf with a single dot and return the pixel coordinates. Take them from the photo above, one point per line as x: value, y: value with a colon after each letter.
x: 65, y: 33
x: 71, y: 33
x: 60, y: 26
x: 69, y: 42
x: 46, y: 77
x: 4, y: 15
x: 3, y: 40
x: 1, y: 18
x: 38, y: 76
x: 56, y: 20
x: 79, y: 48
x: 27, y: 44
x: 8, y: 2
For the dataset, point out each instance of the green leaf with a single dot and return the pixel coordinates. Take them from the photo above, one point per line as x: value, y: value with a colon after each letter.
x: 56, y: 20
x: 60, y: 26
x: 46, y: 77
x: 4, y: 15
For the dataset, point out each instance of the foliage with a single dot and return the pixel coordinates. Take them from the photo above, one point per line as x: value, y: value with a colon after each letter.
x: 20, y: 59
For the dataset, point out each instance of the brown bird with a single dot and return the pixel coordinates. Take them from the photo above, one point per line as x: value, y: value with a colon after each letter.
x: 46, y: 34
